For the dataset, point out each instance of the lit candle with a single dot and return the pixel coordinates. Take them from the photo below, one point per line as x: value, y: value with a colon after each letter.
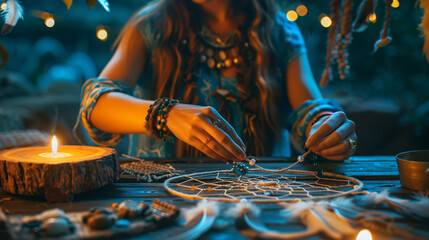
x: 55, y: 153
x: 364, y: 234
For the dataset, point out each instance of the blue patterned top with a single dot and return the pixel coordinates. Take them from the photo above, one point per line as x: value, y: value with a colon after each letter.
x: 289, y: 44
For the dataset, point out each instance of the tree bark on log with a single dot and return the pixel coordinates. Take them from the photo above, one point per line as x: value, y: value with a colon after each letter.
x: 58, y: 182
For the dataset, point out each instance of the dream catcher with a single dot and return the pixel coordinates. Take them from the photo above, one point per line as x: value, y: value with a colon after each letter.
x: 261, y: 185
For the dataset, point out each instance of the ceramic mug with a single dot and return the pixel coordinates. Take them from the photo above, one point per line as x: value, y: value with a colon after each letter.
x: 413, y: 167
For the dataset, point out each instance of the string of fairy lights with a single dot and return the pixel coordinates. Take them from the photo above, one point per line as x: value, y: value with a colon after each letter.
x: 292, y: 15
x: 325, y: 20
x: 49, y: 21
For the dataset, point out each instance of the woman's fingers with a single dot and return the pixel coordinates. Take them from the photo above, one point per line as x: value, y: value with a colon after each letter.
x: 336, y: 137
x: 338, y: 149
x: 225, y: 126
x: 208, y: 151
x: 216, y: 140
x: 330, y: 124
x: 225, y: 144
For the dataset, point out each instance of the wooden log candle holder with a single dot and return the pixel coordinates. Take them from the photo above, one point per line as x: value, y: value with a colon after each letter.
x: 36, y: 171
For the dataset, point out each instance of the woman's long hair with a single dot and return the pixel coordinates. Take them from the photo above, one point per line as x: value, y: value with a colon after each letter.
x: 178, y: 19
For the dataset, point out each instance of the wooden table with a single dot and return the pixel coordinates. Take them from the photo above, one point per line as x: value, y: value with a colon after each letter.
x: 376, y: 172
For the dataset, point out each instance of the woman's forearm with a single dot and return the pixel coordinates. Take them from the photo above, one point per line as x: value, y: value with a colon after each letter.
x: 117, y: 112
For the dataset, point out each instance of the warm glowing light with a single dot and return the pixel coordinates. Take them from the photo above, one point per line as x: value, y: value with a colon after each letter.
x: 372, y: 18
x: 54, y: 145
x: 55, y: 154
x: 3, y: 6
x: 326, y: 21
x: 292, y: 15
x: 395, y: 4
x: 49, y: 22
x: 364, y: 234
x: 301, y: 10
x: 102, y: 34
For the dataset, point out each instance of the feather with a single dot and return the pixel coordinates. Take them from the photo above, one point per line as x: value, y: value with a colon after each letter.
x: 362, y: 19
x: 317, y: 217
x: 11, y: 15
x: 105, y: 4
x: 241, y: 208
x: 418, y: 209
x: 424, y: 26
x: 211, y: 208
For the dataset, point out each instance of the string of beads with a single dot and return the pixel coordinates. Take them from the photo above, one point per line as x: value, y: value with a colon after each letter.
x: 156, y: 119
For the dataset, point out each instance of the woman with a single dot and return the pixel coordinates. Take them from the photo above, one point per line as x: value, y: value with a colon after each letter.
x: 239, y: 70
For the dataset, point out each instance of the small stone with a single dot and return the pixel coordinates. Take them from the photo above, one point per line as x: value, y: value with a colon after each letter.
x: 56, y: 226
x: 86, y: 216
x: 53, y: 213
x: 228, y: 63
x: 209, y: 52
x: 129, y: 210
x: 100, y: 221
x: 98, y: 210
x: 222, y: 55
x: 211, y: 63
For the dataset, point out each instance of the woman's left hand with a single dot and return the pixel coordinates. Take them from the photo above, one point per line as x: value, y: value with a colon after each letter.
x: 333, y: 137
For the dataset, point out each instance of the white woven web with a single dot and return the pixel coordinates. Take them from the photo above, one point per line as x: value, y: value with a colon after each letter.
x: 259, y: 186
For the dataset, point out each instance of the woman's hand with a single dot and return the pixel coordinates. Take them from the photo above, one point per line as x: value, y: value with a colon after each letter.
x: 205, y: 129
x: 332, y: 137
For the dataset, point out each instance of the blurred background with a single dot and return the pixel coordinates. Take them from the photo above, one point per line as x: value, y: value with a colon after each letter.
x: 54, y: 50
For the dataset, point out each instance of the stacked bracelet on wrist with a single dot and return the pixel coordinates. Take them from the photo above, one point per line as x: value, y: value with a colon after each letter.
x: 156, y: 121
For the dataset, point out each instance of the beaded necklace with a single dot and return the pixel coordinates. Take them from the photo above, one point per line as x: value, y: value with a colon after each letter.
x: 221, y: 52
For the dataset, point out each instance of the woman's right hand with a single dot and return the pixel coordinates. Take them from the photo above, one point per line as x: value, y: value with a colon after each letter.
x: 197, y: 126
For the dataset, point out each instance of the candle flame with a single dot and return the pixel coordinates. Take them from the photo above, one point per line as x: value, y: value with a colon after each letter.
x: 364, y: 234
x: 54, y: 145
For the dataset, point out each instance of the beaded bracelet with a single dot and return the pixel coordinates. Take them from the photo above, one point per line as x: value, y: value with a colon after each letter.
x: 156, y: 121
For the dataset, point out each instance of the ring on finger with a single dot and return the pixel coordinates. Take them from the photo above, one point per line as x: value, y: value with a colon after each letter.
x: 216, y: 122
x: 352, y: 144
x: 208, y: 140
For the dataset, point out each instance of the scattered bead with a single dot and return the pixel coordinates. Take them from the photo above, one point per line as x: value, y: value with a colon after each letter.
x: 209, y: 189
x: 252, y: 162
x: 239, y: 168
x: 300, y: 158
x: 192, y: 187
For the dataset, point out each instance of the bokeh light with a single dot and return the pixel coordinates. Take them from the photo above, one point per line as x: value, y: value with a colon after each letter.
x: 372, y: 17
x: 395, y: 4
x: 301, y: 10
x: 292, y: 15
x: 49, y: 22
x: 326, y: 21
x: 102, y: 34
x: 3, y: 6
